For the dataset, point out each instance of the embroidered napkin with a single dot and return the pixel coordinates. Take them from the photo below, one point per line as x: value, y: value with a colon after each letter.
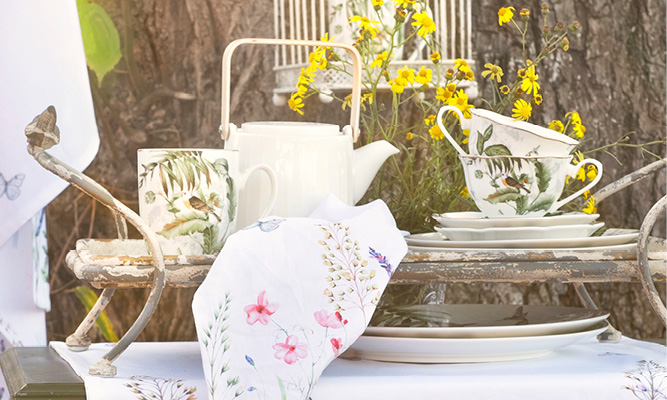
x: 43, y: 64
x: 288, y: 295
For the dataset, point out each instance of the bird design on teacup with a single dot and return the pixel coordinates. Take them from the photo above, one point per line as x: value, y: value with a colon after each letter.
x: 509, y: 181
x: 197, y: 204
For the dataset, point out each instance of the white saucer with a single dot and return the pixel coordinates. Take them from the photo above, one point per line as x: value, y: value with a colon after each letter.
x: 464, y: 350
x: 478, y: 220
x: 493, y: 320
x: 609, y: 238
x: 520, y: 232
x: 632, y: 247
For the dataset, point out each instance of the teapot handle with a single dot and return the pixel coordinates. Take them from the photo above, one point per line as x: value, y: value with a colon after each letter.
x: 447, y: 135
x: 226, y: 77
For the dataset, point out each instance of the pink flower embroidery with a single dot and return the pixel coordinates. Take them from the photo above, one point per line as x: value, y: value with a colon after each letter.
x: 337, y: 344
x: 327, y: 320
x: 291, y: 350
x: 261, y: 311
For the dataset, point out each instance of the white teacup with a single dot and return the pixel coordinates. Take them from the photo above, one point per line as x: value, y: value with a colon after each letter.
x: 507, y: 186
x: 493, y: 134
x: 189, y: 197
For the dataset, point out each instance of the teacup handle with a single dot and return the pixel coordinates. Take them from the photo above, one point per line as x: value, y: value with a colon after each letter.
x: 572, y: 171
x: 274, y: 185
x: 442, y: 127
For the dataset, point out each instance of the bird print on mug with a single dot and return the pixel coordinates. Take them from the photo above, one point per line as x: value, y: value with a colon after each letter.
x: 513, y: 183
x: 195, y: 203
x: 12, y: 187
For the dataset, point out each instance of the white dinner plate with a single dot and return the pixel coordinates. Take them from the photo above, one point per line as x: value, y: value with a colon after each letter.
x: 493, y: 320
x: 619, y: 247
x: 464, y: 350
x: 477, y: 220
x: 609, y: 238
x: 520, y: 232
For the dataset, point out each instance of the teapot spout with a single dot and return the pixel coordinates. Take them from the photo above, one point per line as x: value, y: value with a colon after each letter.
x: 367, y: 161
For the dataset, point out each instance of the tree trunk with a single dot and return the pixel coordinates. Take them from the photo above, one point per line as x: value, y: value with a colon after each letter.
x: 166, y: 93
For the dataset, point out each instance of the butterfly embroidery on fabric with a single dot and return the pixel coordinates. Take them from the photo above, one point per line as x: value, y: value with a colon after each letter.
x: 12, y: 187
x: 266, y: 226
x: 382, y: 260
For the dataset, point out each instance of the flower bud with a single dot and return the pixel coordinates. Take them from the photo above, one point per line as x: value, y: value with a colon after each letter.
x: 545, y: 8
x: 559, y: 27
x: 574, y: 26
x: 525, y: 14
x: 546, y: 31
x: 400, y: 15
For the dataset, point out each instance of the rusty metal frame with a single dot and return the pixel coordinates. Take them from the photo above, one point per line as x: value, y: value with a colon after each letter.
x: 42, y: 134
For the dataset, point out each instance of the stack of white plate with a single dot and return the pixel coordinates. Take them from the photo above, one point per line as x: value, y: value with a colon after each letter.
x: 466, y: 230
x: 480, y: 333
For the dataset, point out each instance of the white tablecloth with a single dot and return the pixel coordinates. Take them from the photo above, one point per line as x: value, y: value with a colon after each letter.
x: 589, y: 370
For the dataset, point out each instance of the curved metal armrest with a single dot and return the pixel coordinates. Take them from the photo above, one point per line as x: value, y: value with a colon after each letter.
x: 43, y: 134
x: 642, y: 257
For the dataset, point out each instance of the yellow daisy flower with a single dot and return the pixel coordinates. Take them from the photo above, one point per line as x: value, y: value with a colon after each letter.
x: 494, y: 71
x: 435, y: 57
x: 365, y: 24
x: 460, y: 101
x: 591, y: 172
x: 409, y: 136
x: 574, y: 117
x: 396, y: 86
x: 429, y: 120
x: 424, y: 22
x: 443, y: 94
x: 295, y: 103
x: 530, y: 81
x: 436, y: 133
x: 522, y: 110
x: 406, y: 75
x: 579, y: 130
x: 556, y: 125
x: 466, y: 133
x: 505, y: 14
x: 590, y: 206
x: 404, y: 3
x: 380, y: 60
x: 378, y: 3
x: 464, y: 193
x: 504, y: 89
x: 424, y: 76
x: 538, y: 99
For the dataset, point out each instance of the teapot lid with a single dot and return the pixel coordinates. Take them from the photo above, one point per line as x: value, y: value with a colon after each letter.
x: 306, y: 129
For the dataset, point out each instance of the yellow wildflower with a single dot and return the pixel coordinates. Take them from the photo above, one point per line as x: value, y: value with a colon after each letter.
x: 466, y: 133
x: 521, y: 73
x: 538, y: 99
x: 524, y: 12
x: 581, y: 174
x: 306, y: 76
x: 436, y: 133
x: 424, y: 22
x: 495, y: 71
x: 295, y: 103
x: 591, y: 172
x: 406, y: 75
x: 409, y: 136
x: 429, y: 120
x: 574, y: 117
x: 347, y: 101
x: 461, y: 65
x: 565, y: 44
x: 451, y: 87
x: 424, y: 76
x: 365, y: 24
x: 301, y: 90
x: 396, y: 86
x: 443, y: 94
x: 367, y: 97
x: 530, y: 81
x: 378, y: 3
x: 505, y: 15
x: 464, y: 193
x: 504, y: 89
x: 435, y: 57
x: 380, y: 60
x: 579, y: 130
x: 590, y: 206
x: 460, y: 101
x: 556, y: 125
x: 522, y: 110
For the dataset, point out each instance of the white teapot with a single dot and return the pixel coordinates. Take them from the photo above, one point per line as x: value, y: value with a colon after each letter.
x: 311, y: 160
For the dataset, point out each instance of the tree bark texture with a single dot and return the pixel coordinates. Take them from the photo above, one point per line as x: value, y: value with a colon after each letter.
x: 166, y: 93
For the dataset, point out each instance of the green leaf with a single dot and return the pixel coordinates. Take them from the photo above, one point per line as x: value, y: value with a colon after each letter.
x: 88, y: 298
x: 211, y: 244
x: 185, y: 225
x: 503, y: 196
x: 497, y: 150
x: 543, y: 176
x: 283, y: 392
x: 542, y: 203
x: 482, y: 138
x: 101, y: 42
x: 521, y: 204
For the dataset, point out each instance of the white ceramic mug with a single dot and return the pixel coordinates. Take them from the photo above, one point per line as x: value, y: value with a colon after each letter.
x: 506, y: 186
x: 493, y: 134
x: 189, y: 197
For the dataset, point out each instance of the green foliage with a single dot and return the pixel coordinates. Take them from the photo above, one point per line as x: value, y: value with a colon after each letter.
x: 504, y: 195
x: 88, y: 298
x: 100, y: 39
x: 543, y: 176
x: 185, y: 225
x: 482, y: 138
